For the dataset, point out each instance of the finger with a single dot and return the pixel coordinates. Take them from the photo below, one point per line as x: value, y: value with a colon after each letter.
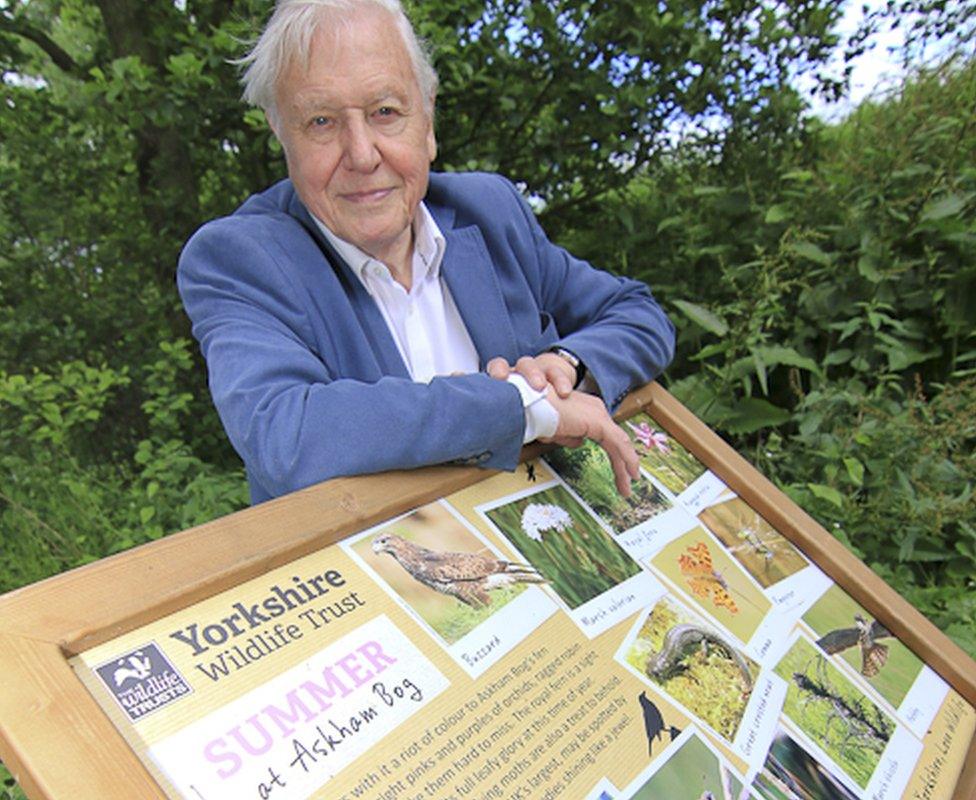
x: 561, y: 382
x: 498, y: 368
x: 623, y: 459
x: 527, y: 367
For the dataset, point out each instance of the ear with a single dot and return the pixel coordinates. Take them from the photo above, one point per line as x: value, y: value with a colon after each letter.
x: 271, y: 117
x: 431, y: 140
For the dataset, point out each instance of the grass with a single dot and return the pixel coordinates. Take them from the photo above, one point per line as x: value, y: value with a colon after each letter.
x: 580, y: 562
x: 858, y: 757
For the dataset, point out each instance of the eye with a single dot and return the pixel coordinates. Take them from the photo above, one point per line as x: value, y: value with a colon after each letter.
x: 386, y: 112
x: 319, y: 121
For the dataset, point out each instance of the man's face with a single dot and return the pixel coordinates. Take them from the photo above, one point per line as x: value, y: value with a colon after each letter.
x: 355, y: 134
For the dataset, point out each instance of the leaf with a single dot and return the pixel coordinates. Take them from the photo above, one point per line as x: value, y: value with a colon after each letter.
x: 905, y: 356
x: 774, y: 355
x: 841, y: 356
x: 828, y: 493
x: 810, y: 251
x: 753, y: 413
x: 777, y: 213
x: 855, y: 469
x: 947, y: 206
x: 146, y: 513
x: 702, y: 317
x: 867, y: 268
x: 761, y: 371
x: 670, y: 222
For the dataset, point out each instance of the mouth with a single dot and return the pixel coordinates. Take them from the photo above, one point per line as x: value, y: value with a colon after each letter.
x: 368, y: 196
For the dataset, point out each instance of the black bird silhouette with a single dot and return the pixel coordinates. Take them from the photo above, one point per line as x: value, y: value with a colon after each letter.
x: 530, y: 472
x: 653, y: 721
x: 864, y: 633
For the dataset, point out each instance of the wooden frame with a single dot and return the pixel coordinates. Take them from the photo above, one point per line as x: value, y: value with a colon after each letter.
x: 57, y: 741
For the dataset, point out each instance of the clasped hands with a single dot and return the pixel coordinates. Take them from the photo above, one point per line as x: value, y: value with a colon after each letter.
x: 581, y: 416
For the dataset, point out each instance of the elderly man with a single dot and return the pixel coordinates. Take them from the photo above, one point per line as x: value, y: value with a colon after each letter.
x: 365, y: 315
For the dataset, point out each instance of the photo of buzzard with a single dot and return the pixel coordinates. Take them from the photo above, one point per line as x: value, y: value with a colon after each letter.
x: 446, y: 573
x: 467, y: 576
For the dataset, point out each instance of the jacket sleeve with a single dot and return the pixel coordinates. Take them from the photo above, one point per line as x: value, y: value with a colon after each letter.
x: 613, y: 324
x: 290, y: 416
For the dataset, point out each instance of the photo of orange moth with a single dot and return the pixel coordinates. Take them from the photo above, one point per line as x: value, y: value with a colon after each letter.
x: 698, y: 566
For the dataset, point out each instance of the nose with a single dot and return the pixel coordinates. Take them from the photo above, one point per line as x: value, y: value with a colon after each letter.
x: 359, y: 151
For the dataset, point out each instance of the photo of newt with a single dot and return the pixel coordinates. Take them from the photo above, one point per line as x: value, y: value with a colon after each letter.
x: 695, y: 664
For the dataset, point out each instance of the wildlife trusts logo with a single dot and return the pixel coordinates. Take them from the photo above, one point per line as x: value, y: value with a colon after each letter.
x: 143, y: 680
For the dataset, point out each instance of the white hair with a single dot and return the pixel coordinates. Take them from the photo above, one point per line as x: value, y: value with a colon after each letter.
x: 288, y: 36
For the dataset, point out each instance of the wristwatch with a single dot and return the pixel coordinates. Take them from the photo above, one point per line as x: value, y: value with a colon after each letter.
x: 573, y: 360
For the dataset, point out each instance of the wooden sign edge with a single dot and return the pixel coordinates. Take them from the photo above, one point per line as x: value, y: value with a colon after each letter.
x: 43, y: 625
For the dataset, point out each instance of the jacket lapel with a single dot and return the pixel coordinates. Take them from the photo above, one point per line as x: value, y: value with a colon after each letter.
x: 370, y: 318
x: 468, y: 271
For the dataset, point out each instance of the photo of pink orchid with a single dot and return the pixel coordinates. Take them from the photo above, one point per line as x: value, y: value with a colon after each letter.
x: 649, y: 437
x: 662, y: 456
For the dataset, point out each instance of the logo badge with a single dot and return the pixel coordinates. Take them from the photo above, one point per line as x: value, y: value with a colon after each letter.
x: 143, y: 681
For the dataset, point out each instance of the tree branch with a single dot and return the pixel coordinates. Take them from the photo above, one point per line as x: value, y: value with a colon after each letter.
x: 54, y: 51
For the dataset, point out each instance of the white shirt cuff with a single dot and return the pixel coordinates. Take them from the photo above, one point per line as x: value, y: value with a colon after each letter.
x: 541, y: 418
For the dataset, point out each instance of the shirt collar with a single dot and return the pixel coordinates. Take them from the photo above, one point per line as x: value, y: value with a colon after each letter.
x: 428, y: 243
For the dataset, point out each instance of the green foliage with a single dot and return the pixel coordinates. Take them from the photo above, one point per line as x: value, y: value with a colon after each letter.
x: 823, y: 279
x: 62, y: 503
x: 895, y: 483
x: 9, y: 790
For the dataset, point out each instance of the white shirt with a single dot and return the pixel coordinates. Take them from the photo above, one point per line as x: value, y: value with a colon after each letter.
x: 425, y: 323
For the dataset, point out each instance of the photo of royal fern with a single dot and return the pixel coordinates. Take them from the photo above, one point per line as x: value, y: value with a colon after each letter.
x: 693, y: 772
x: 822, y: 702
x: 791, y: 773
x: 661, y: 455
x: 696, y: 665
x: 587, y: 470
x: 560, y: 539
x: 846, y: 630
x: 752, y: 541
x: 442, y: 571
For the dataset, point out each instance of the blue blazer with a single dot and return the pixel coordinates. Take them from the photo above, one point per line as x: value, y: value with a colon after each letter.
x: 308, y: 380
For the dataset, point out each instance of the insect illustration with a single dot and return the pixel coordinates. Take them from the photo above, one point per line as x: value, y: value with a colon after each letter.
x: 703, y: 579
x: 750, y: 538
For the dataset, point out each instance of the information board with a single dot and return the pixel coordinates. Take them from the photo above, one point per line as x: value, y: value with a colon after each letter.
x: 535, y: 635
